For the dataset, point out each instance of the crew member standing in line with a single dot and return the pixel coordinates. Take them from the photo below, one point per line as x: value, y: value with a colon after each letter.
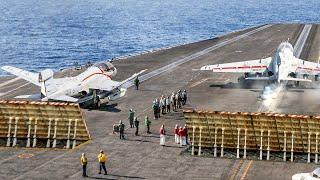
x: 168, y: 104
x: 184, y: 97
x: 158, y: 108
x: 121, y: 129
x: 154, y: 108
x: 137, y: 82
x: 102, y: 162
x: 84, y: 162
x: 162, y: 136
x: 176, y: 134
x: 163, y: 104
x: 185, y: 129
x: 131, y: 117
x: 182, y: 137
x: 173, y: 101
x: 147, y: 122
x: 177, y: 101
x: 136, y: 123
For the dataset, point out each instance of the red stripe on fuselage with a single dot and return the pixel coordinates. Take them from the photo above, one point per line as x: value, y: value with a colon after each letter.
x: 242, y: 67
x: 309, y: 69
x: 102, y: 73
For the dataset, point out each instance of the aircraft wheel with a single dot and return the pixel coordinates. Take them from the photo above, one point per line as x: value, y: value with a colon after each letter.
x: 98, y: 104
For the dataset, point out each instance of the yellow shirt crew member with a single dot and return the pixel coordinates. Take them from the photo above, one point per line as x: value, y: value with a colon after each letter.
x: 102, y: 162
x: 84, y: 162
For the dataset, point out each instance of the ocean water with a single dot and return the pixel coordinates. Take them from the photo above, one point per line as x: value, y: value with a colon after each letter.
x: 37, y: 34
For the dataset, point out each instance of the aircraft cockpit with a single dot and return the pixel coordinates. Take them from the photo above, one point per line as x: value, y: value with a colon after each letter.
x: 108, y: 68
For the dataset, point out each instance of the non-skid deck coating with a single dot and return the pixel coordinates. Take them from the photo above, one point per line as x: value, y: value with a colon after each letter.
x: 141, y: 157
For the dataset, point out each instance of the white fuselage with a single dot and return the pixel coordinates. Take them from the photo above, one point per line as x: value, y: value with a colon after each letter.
x: 282, y: 62
x: 74, y: 86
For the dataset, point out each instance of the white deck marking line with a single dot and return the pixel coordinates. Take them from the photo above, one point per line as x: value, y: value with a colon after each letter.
x: 199, y: 82
x: 2, y: 94
x: 10, y: 81
x: 196, y: 55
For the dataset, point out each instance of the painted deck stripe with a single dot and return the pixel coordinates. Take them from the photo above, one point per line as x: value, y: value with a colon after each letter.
x: 23, y: 85
x: 10, y: 81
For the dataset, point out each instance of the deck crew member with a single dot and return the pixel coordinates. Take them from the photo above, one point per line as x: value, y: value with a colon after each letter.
x: 176, y: 134
x: 173, y: 101
x: 147, y: 122
x: 84, y: 162
x: 154, y: 108
x: 184, y: 97
x: 168, y: 103
x: 137, y: 82
x: 102, y: 158
x: 182, y: 137
x: 136, y: 124
x: 131, y: 118
x: 121, y: 129
x: 162, y: 135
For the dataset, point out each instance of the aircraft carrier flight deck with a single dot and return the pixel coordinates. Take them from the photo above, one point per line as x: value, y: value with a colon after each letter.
x: 141, y: 157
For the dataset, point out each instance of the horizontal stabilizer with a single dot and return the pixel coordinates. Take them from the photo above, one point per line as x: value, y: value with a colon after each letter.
x: 296, y: 79
x: 61, y: 98
x: 31, y: 96
x: 26, y: 75
x: 258, y: 78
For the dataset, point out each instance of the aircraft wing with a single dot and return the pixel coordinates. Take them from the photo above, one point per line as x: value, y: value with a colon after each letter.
x: 251, y: 66
x: 307, y: 67
x: 105, y: 85
x: 26, y: 75
x: 109, y: 85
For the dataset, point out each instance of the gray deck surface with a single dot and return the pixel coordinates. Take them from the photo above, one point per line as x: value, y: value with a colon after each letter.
x: 142, y: 157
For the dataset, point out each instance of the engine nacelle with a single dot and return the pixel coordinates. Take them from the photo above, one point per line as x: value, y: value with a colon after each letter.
x: 118, y: 94
x: 45, y: 75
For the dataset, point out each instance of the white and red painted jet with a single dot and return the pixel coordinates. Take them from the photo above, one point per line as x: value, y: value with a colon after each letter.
x: 282, y: 67
x: 97, y: 78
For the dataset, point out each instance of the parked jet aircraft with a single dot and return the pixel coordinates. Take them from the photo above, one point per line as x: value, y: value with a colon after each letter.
x: 282, y: 67
x: 95, y: 81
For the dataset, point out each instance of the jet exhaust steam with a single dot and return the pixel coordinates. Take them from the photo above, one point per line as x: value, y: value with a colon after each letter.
x: 270, y: 94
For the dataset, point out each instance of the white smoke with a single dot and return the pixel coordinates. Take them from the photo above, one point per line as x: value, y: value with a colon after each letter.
x: 270, y: 96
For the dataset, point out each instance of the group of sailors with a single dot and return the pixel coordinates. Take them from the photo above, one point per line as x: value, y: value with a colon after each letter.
x: 164, y: 104
x: 180, y: 135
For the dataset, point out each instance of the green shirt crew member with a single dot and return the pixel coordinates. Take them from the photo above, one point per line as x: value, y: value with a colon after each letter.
x: 130, y: 117
x: 137, y: 82
x: 147, y: 122
x: 121, y: 129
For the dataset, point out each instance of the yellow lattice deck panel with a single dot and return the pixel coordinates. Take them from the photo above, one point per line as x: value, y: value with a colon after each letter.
x: 36, y: 118
x: 277, y: 129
